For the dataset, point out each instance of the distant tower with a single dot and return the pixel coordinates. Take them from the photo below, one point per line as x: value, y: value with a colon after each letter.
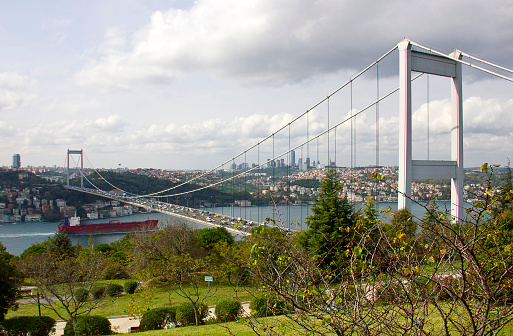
x: 16, y: 161
x: 292, y: 158
x: 81, y: 153
x: 307, y: 162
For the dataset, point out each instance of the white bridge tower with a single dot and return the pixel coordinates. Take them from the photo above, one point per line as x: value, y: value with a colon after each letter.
x: 409, y: 169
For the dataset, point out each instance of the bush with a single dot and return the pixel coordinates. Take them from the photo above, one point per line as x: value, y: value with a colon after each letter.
x: 98, y: 292
x: 114, y: 289
x: 185, y: 313
x: 130, y: 286
x: 228, y: 310
x: 158, y: 318
x: 263, y: 305
x: 88, y: 326
x: 81, y: 295
x: 114, y: 271
x: 27, y: 325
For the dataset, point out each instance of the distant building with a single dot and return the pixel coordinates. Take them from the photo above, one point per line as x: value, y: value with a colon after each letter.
x: 16, y: 161
x: 292, y: 158
x: 243, y: 203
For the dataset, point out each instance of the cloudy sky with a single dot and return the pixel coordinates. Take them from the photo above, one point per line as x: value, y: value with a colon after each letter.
x: 188, y: 84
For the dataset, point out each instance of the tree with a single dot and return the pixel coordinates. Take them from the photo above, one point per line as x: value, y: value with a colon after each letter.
x: 208, y: 237
x: 331, y: 226
x: 173, y: 253
x: 10, y: 280
x: 60, y: 246
x: 66, y: 278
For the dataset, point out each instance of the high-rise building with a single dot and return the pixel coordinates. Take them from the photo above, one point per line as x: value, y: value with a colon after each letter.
x: 16, y: 161
x: 292, y: 158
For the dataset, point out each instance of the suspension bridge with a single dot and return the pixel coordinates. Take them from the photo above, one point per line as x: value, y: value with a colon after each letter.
x: 336, y: 130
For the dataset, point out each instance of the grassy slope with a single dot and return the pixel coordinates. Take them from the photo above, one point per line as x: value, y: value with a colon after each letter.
x: 116, y: 306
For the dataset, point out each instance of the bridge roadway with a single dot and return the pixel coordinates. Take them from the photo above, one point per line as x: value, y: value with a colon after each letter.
x: 191, y: 214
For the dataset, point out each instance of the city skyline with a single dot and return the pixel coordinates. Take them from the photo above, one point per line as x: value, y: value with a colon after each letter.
x: 189, y: 84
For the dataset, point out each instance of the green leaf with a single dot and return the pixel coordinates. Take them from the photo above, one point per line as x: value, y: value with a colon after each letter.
x: 386, y: 210
x: 358, y: 251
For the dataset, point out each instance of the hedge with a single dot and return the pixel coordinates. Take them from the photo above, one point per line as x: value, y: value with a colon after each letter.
x: 114, y: 289
x: 130, y: 286
x: 27, y: 325
x: 158, y: 318
x: 228, y: 310
x: 185, y: 313
x: 89, y: 326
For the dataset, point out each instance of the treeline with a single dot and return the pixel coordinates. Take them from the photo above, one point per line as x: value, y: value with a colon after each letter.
x: 307, y: 183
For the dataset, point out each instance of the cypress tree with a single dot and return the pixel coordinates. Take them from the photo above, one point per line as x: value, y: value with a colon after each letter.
x: 330, y: 234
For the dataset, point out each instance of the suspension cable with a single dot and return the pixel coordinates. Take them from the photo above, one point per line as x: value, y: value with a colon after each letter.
x: 283, y: 127
x: 349, y: 82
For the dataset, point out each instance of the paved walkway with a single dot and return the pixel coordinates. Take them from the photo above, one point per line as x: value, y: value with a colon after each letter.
x: 122, y: 324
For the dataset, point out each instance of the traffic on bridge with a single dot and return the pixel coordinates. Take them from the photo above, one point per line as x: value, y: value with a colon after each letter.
x: 234, y: 225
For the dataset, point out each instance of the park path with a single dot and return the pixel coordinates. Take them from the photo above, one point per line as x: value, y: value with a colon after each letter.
x: 123, y: 324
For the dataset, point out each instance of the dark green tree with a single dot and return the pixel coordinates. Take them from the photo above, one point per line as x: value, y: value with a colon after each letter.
x: 331, y: 226
x: 9, y: 282
x: 208, y: 237
x: 60, y: 246
x: 34, y: 249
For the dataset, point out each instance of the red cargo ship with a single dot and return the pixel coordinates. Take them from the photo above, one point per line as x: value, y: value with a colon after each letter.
x: 73, y: 226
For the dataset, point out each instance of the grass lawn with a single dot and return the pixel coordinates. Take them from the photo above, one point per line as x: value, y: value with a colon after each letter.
x: 155, y: 297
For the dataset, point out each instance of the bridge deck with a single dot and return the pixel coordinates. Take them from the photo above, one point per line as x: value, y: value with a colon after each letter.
x: 234, y: 225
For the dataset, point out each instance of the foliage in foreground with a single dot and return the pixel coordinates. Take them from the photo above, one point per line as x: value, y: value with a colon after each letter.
x: 390, y: 279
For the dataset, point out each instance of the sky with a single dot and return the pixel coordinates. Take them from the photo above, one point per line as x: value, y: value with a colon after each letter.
x: 189, y: 84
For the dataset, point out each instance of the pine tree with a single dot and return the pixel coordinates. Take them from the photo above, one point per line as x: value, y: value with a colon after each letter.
x: 331, y: 226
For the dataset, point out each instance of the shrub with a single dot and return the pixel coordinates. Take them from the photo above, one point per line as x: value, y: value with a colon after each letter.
x: 228, y: 310
x: 114, y: 289
x: 185, y: 313
x: 158, y: 318
x: 115, y: 271
x: 98, y: 292
x: 263, y: 305
x: 27, y: 325
x: 130, y: 286
x: 88, y: 326
x: 81, y: 295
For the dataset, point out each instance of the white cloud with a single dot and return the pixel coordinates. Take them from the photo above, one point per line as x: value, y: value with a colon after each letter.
x: 277, y: 42
x: 112, y: 123
x: 14, y: 90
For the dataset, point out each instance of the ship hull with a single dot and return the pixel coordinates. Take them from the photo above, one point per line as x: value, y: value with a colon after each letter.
x: 110, y: 227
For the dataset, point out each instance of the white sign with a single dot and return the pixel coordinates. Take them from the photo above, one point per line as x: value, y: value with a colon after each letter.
x: 209, y: 278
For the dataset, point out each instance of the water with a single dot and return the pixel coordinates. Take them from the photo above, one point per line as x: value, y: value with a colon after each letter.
x: 18, y: 237
x: 293, y: 216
